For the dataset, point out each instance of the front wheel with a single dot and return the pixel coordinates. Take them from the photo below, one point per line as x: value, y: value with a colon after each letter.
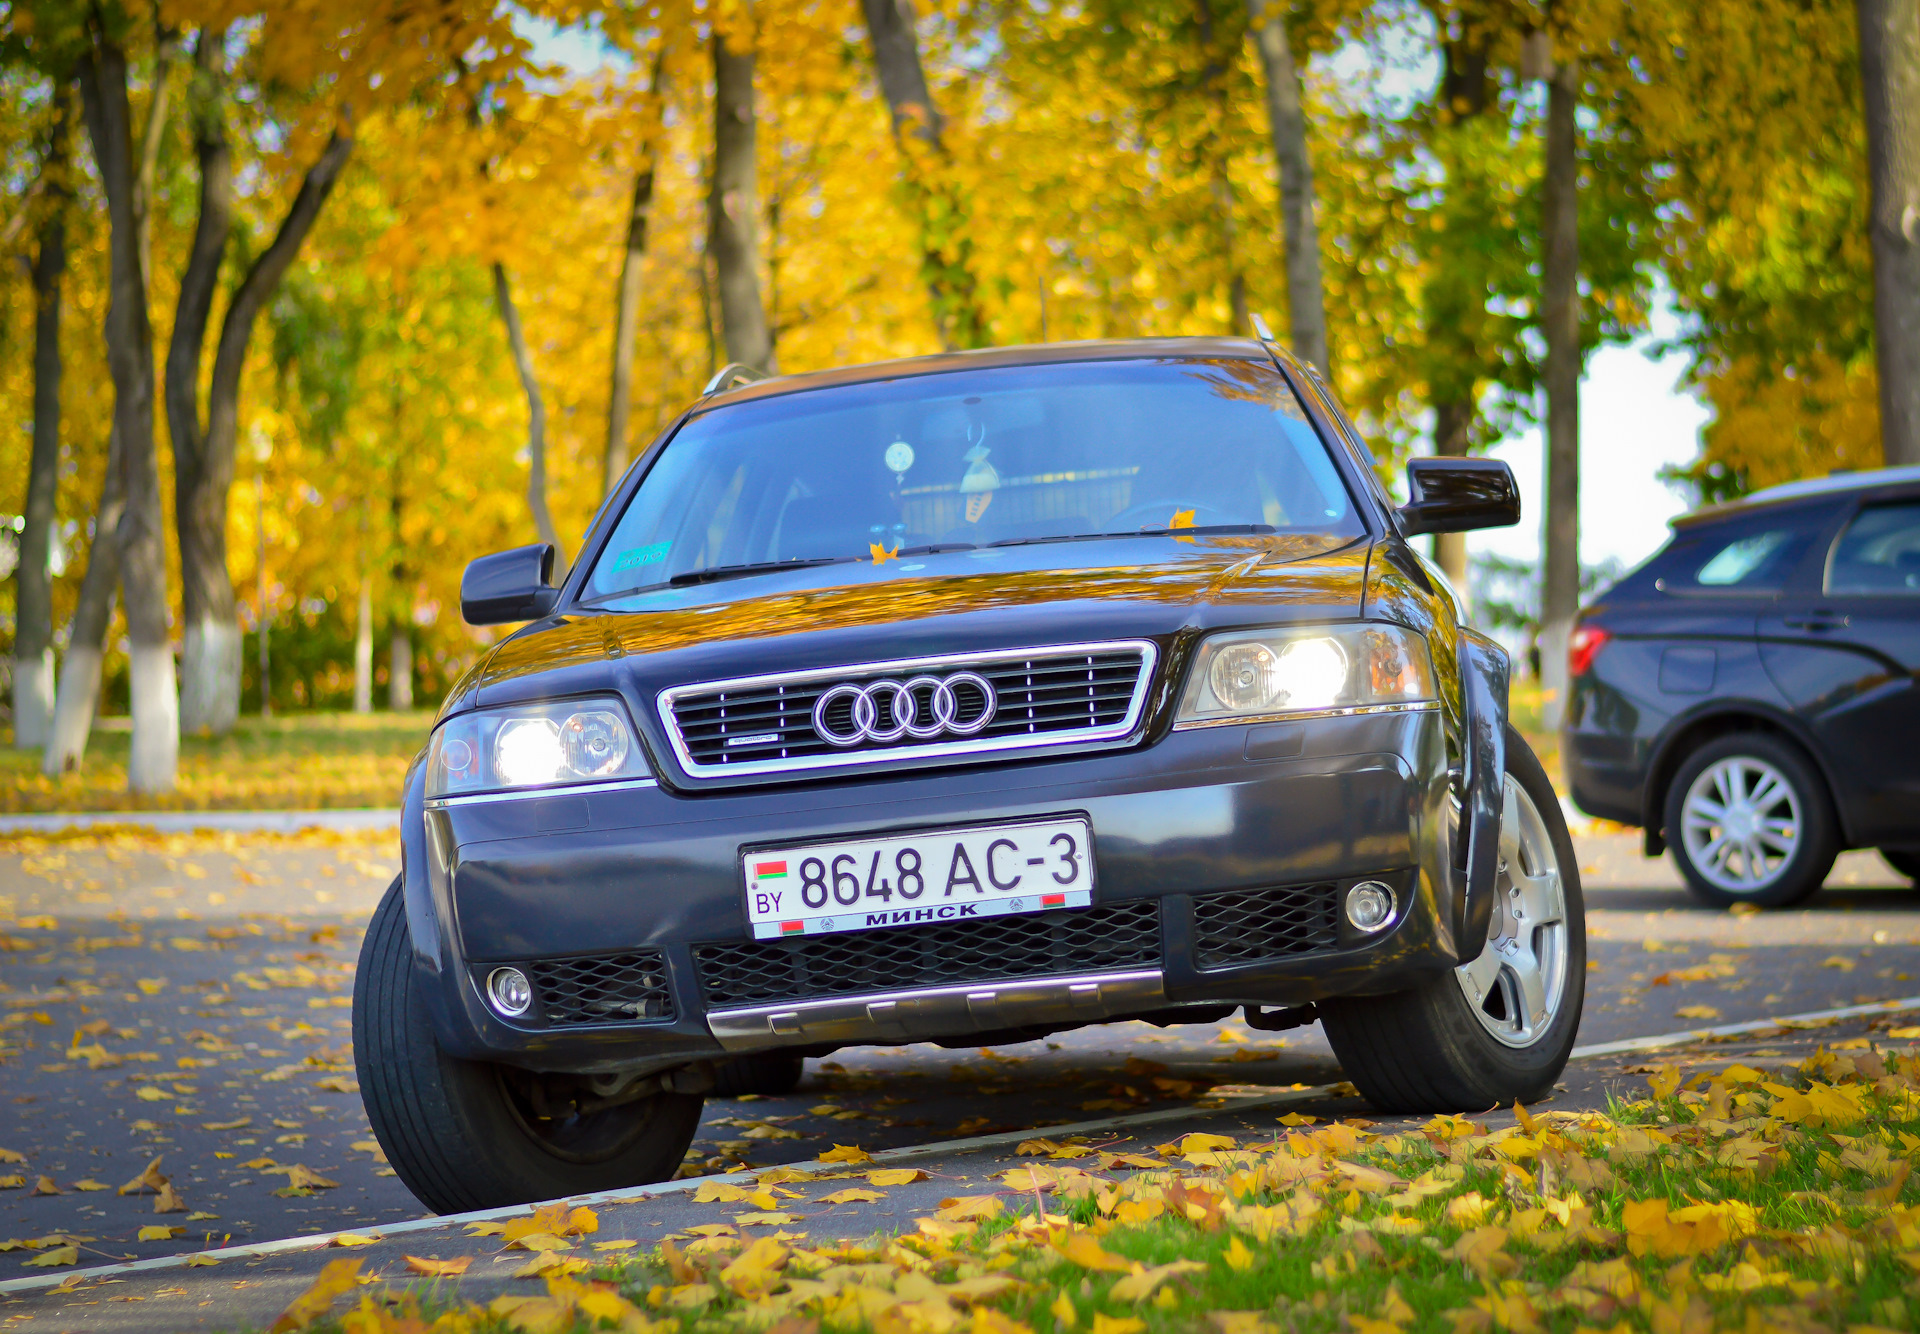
x: 1498, y: 1029
x: 471, y: 1135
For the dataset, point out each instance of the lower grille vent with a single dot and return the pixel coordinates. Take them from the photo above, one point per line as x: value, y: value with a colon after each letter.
x: 601, y: 989
x: 1252, y: 925
x: 1080, y: 940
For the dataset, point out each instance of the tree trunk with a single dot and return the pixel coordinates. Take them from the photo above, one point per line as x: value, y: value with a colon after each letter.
x: 1890, y: 83
x: 33, y: 676
x: 1224, y: 206
x: 1287, y: 122
x: 79, y: 695
x: 143, y: 562
x: 1560, y: 310
x: 203, y: 465
x: 1452, y: 431
x: 626, y: 321
x: 536, y: 407
x: 626, y: 324
x: 363, y: 629
x: 400, y: 670
x: 733, y: 209
x: 919, y: 129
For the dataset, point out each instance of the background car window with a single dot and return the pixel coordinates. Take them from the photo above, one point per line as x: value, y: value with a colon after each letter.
x: 1878, y: 553
x: 975, y: 457
x: 1756, y: 555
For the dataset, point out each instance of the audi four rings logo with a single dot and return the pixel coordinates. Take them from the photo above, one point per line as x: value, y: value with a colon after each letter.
x: 922, y: 708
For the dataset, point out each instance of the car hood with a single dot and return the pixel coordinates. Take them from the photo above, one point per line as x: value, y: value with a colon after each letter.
x: 1007, y: 597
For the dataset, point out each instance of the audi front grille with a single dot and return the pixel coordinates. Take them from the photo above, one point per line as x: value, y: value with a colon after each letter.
x: 1080, y: 694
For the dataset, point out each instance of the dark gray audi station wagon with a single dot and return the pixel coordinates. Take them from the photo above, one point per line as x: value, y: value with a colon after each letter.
x: 964, y: 699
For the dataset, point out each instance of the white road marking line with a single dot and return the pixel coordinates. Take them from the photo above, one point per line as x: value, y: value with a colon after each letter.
x: 634, y: 1194
x: 1811, y: 1018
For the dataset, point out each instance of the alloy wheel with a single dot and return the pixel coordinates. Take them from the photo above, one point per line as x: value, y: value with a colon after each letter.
x: 1516, y: 986
x: 1740, y: 824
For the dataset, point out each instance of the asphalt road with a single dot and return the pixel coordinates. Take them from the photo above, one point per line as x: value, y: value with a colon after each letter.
x: 185, y: 998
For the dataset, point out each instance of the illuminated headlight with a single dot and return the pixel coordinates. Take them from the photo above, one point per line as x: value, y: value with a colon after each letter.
x: 1306, y: 669
x: 533, y: 745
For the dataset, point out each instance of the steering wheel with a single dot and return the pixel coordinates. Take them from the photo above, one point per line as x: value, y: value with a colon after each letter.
x: 1159, y: 514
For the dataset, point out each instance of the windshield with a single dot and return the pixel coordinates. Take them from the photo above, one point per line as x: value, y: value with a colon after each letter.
x: 973, y: 458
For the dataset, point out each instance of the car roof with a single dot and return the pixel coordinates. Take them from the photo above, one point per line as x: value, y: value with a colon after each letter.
x: 1033, y: 354
x: 1812, y: 488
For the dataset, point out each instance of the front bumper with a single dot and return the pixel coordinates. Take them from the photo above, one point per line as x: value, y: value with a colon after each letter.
x: 1221, y: 855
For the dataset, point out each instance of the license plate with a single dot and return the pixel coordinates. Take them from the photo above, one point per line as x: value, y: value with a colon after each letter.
x: 948, y: 875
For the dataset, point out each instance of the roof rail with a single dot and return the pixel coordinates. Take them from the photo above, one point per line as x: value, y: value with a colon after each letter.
x: 733, y: 373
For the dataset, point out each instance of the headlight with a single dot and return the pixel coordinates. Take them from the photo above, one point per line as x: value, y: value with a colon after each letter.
x: 533, y: 745
x: 1254, y: 673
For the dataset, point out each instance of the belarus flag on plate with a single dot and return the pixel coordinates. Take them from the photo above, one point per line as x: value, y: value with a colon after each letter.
x: 769, y: 870
x: 792, y: 928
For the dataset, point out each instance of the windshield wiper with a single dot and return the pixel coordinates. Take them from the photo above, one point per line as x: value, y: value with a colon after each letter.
x: 1203, y: 530
x: 714, y: 572
x: 1207, y: 530
x: 936, y: 549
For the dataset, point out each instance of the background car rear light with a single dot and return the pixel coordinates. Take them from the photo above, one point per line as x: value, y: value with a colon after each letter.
x: 1586, y: 641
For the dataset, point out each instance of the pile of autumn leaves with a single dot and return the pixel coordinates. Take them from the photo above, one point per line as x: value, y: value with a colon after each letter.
x: 1745, y: 1200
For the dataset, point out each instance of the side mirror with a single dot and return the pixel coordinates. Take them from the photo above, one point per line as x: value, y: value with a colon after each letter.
x: 509, y: 586
x: 1455, y: 495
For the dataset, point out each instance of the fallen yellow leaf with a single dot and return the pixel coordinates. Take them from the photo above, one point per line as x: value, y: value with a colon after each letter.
x: 59, y: 1255
x: 161, y: 1232
x: 852, y: 1195
x: 438, y: 1268
x: 846, y: 1153
x: 895, y: 1176
x: 316, y: 1302
x: 968, y: 1208
x: 1085, y: 1250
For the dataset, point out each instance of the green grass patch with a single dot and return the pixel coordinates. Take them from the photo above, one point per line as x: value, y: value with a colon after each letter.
x: 1759, y: 1201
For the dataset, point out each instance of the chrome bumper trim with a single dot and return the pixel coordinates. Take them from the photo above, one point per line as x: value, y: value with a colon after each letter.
x: 930, y: 1012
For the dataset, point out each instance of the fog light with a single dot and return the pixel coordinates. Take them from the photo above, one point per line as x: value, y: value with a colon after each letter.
x: 512, y: 994
x: 1369, y: 905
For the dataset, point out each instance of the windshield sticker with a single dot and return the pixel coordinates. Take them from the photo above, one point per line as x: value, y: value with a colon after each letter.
x: 635, y: 557
x: 899, y: 458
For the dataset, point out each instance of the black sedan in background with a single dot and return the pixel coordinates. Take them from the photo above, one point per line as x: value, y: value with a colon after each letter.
x: 966, y: 700
x: 1748, y: 696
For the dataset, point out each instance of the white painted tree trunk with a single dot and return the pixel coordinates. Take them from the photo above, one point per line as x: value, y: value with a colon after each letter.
x: 210, y: 677
x: 363, y: 652
x: 156, y: 719
x: 400, y: 672
x: 1553, y: 672
x: 33, y: 693
x: 78, y: 697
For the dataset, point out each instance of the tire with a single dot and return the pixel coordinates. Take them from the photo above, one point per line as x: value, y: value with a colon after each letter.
x: 767, y: 1073
x: 1436, y: 1048
x: 1794, y: 835
x: 463, y: 1134
x: 1904, y: 860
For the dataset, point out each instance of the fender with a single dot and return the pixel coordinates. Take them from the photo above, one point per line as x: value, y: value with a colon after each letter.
x: 428, y: 919
x: 1484, y: 673
x: 1653, y: 808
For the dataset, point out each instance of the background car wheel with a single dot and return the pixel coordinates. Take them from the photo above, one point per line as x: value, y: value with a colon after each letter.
x: 1748, y: 821
x: 765, y: 1072
x: 470, y: 1135
x: 1904, y: 860
x: 1499, y: 1028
